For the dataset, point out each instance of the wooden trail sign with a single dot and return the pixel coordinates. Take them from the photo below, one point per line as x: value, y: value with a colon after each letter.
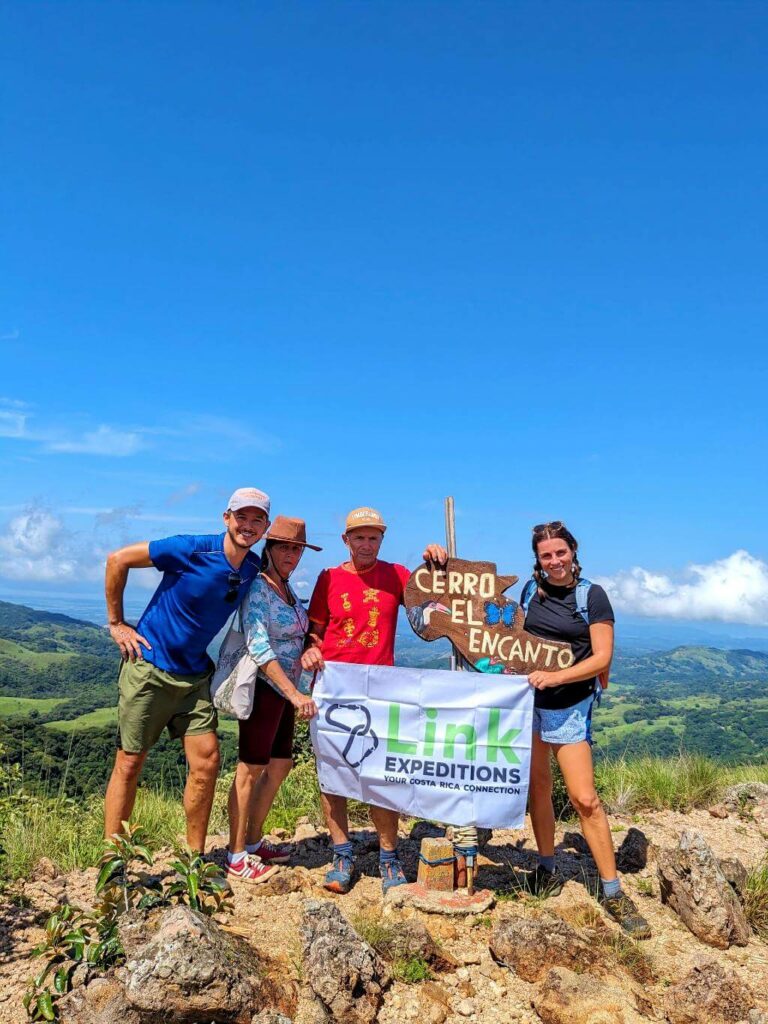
x: 464, y: 601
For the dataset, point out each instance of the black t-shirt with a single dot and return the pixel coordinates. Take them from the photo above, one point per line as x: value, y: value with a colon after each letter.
x: 558, y: 618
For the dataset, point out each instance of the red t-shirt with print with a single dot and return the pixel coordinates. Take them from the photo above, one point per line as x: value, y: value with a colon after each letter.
x: 359, y: 612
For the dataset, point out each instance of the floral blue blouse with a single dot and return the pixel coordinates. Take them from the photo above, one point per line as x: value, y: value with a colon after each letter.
x: 274, y: 629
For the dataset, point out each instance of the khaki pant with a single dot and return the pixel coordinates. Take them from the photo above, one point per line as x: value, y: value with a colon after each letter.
x: 152, y: 700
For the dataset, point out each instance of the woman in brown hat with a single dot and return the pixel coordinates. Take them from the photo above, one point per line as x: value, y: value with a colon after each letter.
x: 275, y: 623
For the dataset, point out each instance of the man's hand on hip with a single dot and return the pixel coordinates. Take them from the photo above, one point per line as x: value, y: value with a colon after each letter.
x: 129, y: 641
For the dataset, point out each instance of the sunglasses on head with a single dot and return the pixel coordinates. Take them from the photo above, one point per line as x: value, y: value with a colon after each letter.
x: 233, y: 582
x: 554, y: 525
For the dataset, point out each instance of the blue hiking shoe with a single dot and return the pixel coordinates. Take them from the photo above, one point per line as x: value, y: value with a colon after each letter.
x: 392, y: 874
x: 339, y: 878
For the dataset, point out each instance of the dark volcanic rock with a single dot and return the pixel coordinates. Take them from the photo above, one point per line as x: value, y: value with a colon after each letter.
x: 633, y: 853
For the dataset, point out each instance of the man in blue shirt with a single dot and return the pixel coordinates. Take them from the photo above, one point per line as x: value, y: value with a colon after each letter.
x: 166, y: 671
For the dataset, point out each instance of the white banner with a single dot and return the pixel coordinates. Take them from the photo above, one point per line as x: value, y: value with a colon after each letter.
x: 453, y: 747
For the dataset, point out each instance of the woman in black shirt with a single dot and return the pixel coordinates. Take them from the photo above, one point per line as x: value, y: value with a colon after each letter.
x: 559, y: 605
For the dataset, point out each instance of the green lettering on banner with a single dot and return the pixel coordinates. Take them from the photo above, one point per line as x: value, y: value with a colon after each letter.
x: 460, y: 732
x: 498, y: 743
x: 394, y: 743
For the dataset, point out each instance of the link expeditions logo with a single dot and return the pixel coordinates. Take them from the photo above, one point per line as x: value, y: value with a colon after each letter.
x: 446, y: 755
x: 358, y: 733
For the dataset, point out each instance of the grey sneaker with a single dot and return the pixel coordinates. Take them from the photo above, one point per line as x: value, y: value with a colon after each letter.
x: 622, y: 909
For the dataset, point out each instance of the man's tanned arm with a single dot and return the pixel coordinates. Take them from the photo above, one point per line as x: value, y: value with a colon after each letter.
x: 119, y: 563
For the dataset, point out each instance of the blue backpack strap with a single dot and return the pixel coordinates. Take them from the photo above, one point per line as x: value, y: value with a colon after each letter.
x: 526, y: 596
x: 582, y: 598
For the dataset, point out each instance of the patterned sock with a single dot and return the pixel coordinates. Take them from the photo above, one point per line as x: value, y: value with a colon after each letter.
x: 252, y: 847
x: 548, y: 863
x: 343, y: 849
x: 387, y: 855
x: 611, y: 888
x: 235, y: 858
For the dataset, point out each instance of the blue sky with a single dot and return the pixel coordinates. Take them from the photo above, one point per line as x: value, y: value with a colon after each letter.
x: 379, y: 253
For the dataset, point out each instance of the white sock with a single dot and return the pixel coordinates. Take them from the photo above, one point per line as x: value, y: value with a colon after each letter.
x: 236, y: 858
x: 252, y: 847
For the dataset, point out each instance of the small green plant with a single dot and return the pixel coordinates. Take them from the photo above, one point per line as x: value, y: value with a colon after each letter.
x: 411, y: 970
x: 71, y: 938
x: 116, y: 873
x: 484, y: 921
x: 756, y: 900
x: 644, y: 886
x: 198, y: 884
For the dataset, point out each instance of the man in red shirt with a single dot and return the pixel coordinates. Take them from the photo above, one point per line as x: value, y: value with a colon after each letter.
x: 353, y: 618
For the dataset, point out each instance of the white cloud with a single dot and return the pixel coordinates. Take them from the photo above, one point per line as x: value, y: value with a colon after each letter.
x: 102, y: 441
x: 12, y: 424
x: 183, y: 493
x: 732, y: 589
x: 37, y: 546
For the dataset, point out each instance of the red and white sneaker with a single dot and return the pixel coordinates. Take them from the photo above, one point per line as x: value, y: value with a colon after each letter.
x: 273, y: 853
x: 249, y: 869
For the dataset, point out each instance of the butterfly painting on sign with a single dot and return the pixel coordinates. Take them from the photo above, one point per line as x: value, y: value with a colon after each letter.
x: 464, y: 602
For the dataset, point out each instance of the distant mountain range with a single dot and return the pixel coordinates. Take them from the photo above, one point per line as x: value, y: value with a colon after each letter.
x: 64, y: 670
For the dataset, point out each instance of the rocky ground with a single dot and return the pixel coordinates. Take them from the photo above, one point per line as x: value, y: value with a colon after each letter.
x: 523, y: 960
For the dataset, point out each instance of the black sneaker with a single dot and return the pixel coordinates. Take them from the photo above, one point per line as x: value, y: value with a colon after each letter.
x: 622, y: 909
x: 540, y: 882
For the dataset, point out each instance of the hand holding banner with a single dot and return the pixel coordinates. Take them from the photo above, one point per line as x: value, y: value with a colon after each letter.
x: 441, y: 745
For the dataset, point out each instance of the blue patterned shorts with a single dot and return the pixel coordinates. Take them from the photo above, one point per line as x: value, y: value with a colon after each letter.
x: 566, y: 725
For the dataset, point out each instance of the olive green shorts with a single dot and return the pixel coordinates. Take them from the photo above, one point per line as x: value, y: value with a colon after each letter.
x: 152, y: 700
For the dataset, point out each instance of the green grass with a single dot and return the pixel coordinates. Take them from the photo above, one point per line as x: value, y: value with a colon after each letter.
x: 411, y: 970
x: 69, y: 832
x: 630, y: 784
x: 756, y: 900
x: 24, y: 705
x: 97, y: 719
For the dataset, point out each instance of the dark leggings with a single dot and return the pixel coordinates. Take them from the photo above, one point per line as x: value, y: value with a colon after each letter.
x: 268, y: 731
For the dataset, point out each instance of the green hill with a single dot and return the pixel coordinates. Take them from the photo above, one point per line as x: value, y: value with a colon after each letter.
x: 49, y: 655
x: 58, y: 679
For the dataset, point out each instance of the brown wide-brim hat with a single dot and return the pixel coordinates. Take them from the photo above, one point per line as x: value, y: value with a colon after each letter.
x: 290, y: 531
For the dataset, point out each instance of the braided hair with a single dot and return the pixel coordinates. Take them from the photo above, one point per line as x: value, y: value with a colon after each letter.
x: 553, y: 531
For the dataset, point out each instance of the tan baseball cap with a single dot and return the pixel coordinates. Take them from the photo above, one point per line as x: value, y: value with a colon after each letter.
x: 248, y: 497
x: 364, y: 516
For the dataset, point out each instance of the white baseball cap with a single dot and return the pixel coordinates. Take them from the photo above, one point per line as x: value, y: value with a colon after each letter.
x: 248, y: 497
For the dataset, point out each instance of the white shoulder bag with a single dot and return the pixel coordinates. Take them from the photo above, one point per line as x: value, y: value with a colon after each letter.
x: 234, y: 679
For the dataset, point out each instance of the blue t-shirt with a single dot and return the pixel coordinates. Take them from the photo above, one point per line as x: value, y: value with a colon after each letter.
x: 189, y: 608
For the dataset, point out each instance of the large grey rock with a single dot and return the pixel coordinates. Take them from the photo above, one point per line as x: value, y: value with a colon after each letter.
x: 565, y: 997
x: 693, y: 884
x: 532, y: 945
x: 181, y: 964
x: 709, y: 993
x: 344, y: 971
